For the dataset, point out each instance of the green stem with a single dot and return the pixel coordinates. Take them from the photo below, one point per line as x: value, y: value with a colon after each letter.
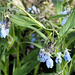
x: 55, y: 32
x: 62, y: 69
x: 36, y: 68
x: 17, y: 54
x: 0, y: 67
x: 5, y: 70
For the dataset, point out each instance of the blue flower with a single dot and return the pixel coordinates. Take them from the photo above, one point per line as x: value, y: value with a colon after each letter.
x: 67, y: 56
x: 3, y: 22
x: 32, y: 11
x: 34, y: 8
x: 42, y: 56
x: 58, y: 58
x: 65, y: 12
x: 63, y: 22
x: 4, y: 32
x: 49, y: 63
x: 60, y: 0
x: 31, y: 46
x: 33, y: 35
x: 29, y: 9
x: 33, y: 40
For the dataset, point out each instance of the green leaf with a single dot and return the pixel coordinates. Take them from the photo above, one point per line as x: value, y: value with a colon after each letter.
x: 56, y: 16
x: 11, y: 51
x: 70, y: 41
x: 27, y: 25
x: 37, y: 45
x: 1, y: 9
x: 47, y: 74
x: 25, y: 20
x: 31, y: 56
x: 25, y: 69
x: 58, y: 67
x: 59, y: 5
x: 69, y: 24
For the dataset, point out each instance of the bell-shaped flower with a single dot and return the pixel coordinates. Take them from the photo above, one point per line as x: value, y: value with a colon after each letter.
x: 58, y: 58
x: 63, y: 22
x: 34, y: 8
x: 33, y: 39
x: 67, y: 56
x: 49, y: 62
x: 29, y: 9
x: 4, y: 32
x: 42, y: 56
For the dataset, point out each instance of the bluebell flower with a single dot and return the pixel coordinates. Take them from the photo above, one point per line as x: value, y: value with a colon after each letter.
x: 34, y: 8
x: 58, y: 58
x: 63, y: 22
x: 67, y: 56
x: 42, y: 56
x: 33, y: 35
x: 33, y: 40
x: 4, y: 32
x: 29, y: 9
x: 32, y: 11
x: 49, y: 63
x: 31, y: 46
x: 60, y: 0
x: 65, y: 12
x: 3, y: 22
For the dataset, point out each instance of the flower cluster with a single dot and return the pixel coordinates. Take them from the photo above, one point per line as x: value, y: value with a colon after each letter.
x: 46, y: 57
x: 33, y: 10
x: 33, y: 40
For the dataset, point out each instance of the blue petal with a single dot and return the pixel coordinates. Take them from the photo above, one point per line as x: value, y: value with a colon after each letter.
x: 29, y: 9
x: 33, y: 35
x: 58, y: 60
x: 67, y: 57
x: 31, y: 46
x: 3, y: 22
x: 63, y: 22
x: 49, y: 63
x: 33, y: 39
x: 60, y: 0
